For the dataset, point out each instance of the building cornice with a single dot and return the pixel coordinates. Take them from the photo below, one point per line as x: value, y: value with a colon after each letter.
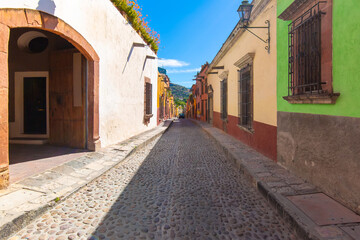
x: 247, y: 59
x: 295, y: 7
x: 259, y: 6
x: 224, y: 75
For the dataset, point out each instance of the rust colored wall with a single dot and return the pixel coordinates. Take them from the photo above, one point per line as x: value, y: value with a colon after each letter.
x: 262, y: 140
x: 4, y: 84
x: 217, y: 121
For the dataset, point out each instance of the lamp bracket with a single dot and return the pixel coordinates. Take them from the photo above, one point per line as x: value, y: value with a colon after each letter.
x: 267, y: 41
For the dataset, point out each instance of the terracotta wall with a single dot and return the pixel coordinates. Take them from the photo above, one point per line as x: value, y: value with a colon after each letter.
x: 4, y: 134
x: 263, y: 139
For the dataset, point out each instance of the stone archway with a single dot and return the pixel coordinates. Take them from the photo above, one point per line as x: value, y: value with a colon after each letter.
x: 23, y: 18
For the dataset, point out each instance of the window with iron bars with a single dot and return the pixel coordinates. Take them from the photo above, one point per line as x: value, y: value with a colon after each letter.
x: 148, y: 99
x: 245, y: 98
x: 223, y: 85
x: 305, y: 53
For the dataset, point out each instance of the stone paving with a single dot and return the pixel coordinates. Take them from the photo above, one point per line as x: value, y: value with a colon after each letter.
x: 23, y: 201
x: 180, y: 186
x: 287, y: 192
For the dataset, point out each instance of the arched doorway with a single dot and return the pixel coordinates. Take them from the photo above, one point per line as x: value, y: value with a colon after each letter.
x: 39, y: 27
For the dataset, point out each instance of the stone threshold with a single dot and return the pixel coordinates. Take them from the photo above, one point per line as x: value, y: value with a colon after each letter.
x: 23, y: 201
x: 279, y: 186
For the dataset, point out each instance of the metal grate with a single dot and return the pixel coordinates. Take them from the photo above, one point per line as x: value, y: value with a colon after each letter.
x: 148, y: 98
x: 245, y: 97
x: 223, y: 99
x: 305, y: 53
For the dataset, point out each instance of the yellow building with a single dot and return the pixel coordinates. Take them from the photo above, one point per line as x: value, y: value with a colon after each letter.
x: 165, y: 100
x: 160, y: 100
x: 242, y: 77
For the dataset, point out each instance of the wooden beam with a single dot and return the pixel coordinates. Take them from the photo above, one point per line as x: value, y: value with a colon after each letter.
x: 138, y: 44
x: 218, y: 67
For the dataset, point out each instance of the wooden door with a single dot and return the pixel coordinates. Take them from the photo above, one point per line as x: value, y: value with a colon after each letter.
x: 67, y: 118
x: 35, y: 105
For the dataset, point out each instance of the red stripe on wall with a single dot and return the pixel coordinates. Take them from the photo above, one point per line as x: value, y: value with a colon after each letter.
x: 158, y: 116
x: 262, y: 140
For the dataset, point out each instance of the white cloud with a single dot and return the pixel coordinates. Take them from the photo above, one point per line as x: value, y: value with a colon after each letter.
x: 172, y: 63
x: 184, y: 70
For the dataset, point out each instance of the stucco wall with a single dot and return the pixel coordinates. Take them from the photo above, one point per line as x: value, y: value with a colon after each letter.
x: 323, y: 150
x: 121, y: 81
x: 264, y: 70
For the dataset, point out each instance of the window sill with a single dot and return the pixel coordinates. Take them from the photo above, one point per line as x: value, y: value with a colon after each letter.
x: 249, y: 130
x: 148, y: 116
x: 327, y: 98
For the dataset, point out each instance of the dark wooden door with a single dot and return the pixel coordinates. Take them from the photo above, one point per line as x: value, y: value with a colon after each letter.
x: 35, y: 105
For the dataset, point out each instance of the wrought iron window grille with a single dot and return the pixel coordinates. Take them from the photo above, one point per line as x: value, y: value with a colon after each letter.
x: 148, y: 103
x: 245, y: 98
x: 304, y: 37
x: 223, y: 85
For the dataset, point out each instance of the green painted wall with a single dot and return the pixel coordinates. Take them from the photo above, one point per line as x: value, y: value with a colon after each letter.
x: 346, y: 61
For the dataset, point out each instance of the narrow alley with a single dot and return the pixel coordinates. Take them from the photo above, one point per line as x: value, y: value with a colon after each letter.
x: 180, y: 187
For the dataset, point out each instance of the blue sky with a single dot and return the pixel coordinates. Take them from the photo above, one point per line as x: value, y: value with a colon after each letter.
x: 191, y: 32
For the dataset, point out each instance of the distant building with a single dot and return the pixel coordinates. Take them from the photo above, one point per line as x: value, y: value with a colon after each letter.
x: 191, y: 104
x: 165, y: 100
x: 202, y: 93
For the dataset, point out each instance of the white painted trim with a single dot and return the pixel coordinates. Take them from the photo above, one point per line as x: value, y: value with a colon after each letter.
x: 17, y: 127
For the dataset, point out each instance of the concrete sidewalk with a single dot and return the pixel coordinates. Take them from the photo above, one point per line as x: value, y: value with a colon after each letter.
x: 23, y: 201
x: 313, y: 214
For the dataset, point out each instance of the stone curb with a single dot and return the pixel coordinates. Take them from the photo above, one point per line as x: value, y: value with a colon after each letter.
x: 303, y: 225
x: 22, y: 220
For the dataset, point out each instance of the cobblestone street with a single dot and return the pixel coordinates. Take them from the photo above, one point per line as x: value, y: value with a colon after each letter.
x: 179, y: 187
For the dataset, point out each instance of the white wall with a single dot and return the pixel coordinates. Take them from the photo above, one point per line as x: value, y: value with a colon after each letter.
x: 121, y: 89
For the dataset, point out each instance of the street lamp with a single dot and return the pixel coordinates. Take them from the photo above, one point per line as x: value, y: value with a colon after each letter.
x: 244, y: 11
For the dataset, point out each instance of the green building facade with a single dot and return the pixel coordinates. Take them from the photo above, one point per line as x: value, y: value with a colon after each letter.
x: 319, y: 126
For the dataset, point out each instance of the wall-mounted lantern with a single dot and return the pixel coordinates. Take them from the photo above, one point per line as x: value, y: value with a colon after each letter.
x: 244, y: 11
